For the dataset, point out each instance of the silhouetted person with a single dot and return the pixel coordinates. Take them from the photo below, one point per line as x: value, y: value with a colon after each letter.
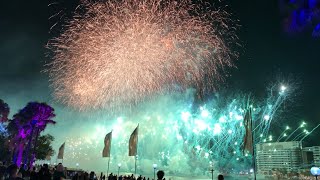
x: 59, y: 173
x: 33, y: 174
x: 44, y: 173
x: 160, y: 175
x: 92, y: 176
x: 220, y: 177
x: 2, y: 170
x: 13, y: 172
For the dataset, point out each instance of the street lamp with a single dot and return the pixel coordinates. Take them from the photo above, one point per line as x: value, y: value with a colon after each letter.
x: 315, y: 171
x: 119, y: 165
x: 154, y: 171
x: 211, y: 170
x: 77, y: 164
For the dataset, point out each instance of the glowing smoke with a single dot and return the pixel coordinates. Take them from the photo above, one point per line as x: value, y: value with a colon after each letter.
x: 182, y: 138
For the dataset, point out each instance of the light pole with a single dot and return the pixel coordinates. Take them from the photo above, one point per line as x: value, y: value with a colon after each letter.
x: 77, y: 165
x: 315, y: 171
x: 211, y: 170
x: 119, y: 165
x: 154, y: 171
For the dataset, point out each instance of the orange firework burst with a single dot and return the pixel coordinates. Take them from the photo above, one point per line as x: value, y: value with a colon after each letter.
x: 122, y: 51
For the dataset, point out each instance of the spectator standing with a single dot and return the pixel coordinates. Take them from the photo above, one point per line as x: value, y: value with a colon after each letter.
x: 58, y: 173
x: 160, y: 175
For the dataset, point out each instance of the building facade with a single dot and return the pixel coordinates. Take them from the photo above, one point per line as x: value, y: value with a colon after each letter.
x: 285, y: 156
x: 311, y: 156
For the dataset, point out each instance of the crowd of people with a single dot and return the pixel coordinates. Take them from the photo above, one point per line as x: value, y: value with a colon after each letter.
x: 58, y: 172
x: 44, y: 172
x: 13, y: 172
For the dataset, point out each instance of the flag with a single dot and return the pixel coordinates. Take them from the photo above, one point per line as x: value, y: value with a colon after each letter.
x: 107, y: 145
x: 248, y: 139
x: 133, y: 142
x: 61, y: 151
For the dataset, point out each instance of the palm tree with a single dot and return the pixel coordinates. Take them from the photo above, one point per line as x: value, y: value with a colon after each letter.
x: 25, y: 128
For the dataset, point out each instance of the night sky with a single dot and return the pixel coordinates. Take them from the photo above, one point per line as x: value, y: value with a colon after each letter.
x: 267, y: 52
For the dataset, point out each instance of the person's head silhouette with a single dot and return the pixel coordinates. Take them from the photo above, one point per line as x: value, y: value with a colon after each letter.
x: 220, y: 177
x: 160, y: 174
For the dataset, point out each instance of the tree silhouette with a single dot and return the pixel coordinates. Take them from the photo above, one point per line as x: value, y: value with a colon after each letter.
x: 4, y: 111
x: 24, y: 130
x: 44, y: 149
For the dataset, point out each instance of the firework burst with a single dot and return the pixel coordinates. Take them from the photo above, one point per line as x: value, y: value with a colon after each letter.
x: 182, y: 138
x: 121, y: 52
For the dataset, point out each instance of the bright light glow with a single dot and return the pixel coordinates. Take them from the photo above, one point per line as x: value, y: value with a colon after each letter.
x: 238, y: 117
x: 120, y: 120
x: 315, y: 171
x: 230, y: 114
x: 230, y: 131
x: 222, y: 119
x: 201, y: 125
x: 266, y: 117
x: 303, y: 124
x: 217, y: 129
x: 154, y: 166
x: 185, y: 116
x: 204, y: 113
x: 283, y: 88
x: 119, y: 165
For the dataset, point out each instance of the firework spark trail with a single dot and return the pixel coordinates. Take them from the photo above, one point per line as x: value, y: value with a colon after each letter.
x: 121, y: 52
x: 277, y: 96
x: 307, y: 134
x: 283, y: 134
x: 195, y: 137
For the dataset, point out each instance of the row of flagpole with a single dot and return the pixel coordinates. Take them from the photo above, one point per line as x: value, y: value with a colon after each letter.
x: 248, y: 143
x: 133, y: 148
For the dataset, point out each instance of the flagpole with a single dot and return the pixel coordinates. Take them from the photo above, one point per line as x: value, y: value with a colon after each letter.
x: 108, y: 167
x: 135, y: 157
x: 253, y: 148
x: 135, y: 165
